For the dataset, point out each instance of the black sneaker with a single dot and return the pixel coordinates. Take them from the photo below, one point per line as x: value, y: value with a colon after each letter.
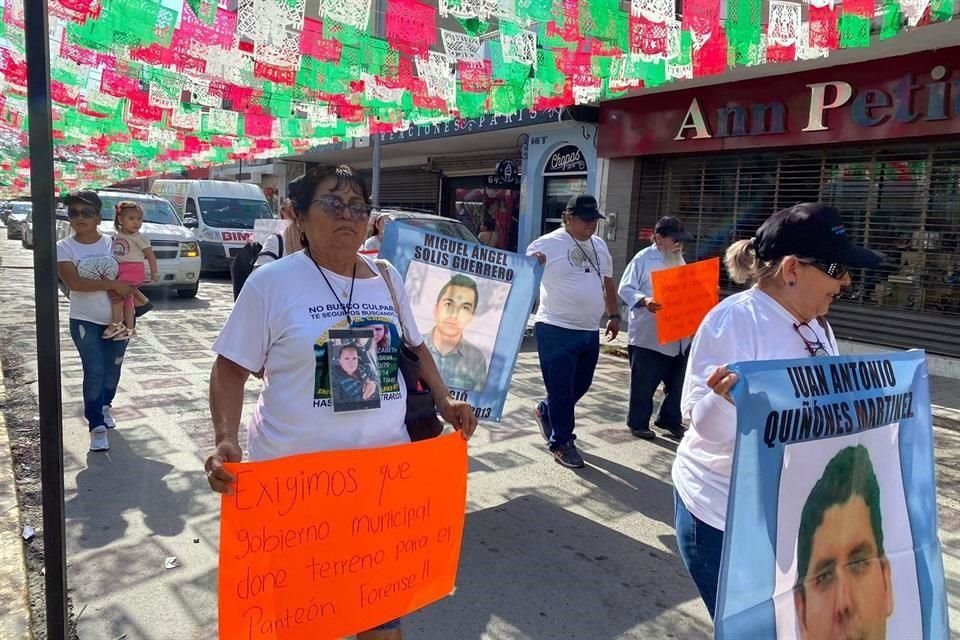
x: 543, y: 422
x: 568, y: 456
x: 644, y: 434
x: 676, y: 432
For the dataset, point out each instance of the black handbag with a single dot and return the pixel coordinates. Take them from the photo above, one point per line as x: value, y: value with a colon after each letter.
x: 421, y: 417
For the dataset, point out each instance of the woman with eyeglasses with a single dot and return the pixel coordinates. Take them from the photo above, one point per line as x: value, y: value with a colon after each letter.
x: 283, y: 323
x: 797, y: 264
x: 86, y: 265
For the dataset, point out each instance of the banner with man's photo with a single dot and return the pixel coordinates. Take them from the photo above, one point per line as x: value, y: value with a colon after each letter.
x: 471, y: 303
x: 832, y: 521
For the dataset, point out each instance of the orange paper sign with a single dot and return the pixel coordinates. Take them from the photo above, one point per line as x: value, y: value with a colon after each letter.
x: 325, y: 545
x: 687, y: 293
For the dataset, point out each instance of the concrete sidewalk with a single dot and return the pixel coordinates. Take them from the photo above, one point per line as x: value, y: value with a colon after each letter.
x: 14, y: 604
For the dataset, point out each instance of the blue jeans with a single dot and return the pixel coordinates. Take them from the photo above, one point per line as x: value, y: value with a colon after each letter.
x: 568, y: 359
x: 101, y: 361
x: 701, y: 548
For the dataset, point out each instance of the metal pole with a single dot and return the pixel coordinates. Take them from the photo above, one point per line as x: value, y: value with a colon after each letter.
x: 375, y: 181
x: 240, y: 171
x: 378, y: 27
x: 48, y: 319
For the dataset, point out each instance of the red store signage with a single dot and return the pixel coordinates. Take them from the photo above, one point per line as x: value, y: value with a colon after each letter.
x: 910, y: 96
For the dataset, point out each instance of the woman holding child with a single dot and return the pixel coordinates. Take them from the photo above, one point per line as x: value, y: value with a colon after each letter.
x: 86, y: 265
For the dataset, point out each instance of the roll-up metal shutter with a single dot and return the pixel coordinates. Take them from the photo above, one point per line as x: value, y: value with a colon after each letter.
x: 408, y: 189
x: 478, y: 164
x: 903, y: 200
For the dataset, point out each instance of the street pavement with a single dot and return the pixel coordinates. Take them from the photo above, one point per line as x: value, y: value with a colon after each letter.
x: 548, y: 553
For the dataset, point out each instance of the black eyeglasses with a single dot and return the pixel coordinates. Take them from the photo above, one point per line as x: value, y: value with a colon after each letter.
x: 334, y: 206
x: 832, y: 269
x: 810, y: 340
x: 86, y: 213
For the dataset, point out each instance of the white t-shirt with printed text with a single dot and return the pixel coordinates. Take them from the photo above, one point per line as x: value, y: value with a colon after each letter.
x: 745, y: 327
x: 280, y: 324
x: 90, y: 306
x: 572, y: 290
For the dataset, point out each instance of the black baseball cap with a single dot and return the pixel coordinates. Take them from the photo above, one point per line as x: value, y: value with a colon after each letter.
x: 811, y: 231
x: 86, y: 197
x: 585, y: 206
x: 670, y: 227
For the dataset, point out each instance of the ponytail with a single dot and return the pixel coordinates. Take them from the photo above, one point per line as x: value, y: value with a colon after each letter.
x: 745, y: 266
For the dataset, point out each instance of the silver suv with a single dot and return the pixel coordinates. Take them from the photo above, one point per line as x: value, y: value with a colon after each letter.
x: 177, y: 251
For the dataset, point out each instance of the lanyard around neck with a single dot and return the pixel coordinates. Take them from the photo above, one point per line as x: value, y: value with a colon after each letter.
x: 586, y: 256
x: 353, y: 281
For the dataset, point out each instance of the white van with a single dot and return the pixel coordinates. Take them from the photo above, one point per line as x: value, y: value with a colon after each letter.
x: 222, y: 215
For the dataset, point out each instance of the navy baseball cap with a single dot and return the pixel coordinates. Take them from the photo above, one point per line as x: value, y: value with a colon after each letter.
x: 585, y: 206
x: 811, y: 231
x: 84, y: 197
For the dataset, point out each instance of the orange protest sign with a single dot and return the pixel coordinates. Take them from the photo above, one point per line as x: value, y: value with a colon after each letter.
x: 687, y: 293
x: 327, y: 544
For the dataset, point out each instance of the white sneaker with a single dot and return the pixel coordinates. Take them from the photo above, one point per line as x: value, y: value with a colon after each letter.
x: 98, y: 439
x: 108, y: 420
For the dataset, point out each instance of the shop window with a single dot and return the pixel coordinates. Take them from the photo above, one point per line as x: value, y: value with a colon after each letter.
x: 475, y: 203
x: 557, y: 193
x: 903, y: 201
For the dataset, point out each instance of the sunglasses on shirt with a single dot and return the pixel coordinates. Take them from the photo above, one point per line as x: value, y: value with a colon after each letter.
x: 810, y: 340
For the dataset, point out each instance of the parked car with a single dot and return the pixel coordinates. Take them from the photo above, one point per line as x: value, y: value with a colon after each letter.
x: 450, y: 227
x: 177, y: 251
x: 5, y: 209
x: 26, y: 231
x: 18, y: 213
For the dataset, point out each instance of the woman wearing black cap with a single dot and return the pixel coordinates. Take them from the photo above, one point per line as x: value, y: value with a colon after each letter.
x: 86, y: 265
x: 798, y: 265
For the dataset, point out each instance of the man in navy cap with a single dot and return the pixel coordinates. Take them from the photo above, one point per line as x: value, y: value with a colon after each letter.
x: 651, y: 362
x: 576, y: 290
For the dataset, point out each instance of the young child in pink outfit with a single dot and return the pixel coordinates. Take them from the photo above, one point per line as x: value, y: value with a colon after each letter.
x: 130, y: 248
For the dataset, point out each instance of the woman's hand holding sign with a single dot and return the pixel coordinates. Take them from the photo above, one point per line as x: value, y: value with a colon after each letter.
x: 460, y: 415
x: 721, y: 381
x: 652, y: 305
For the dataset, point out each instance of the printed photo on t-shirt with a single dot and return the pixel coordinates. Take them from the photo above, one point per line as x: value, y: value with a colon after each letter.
x: 354, y: 370
x: 386, y: 342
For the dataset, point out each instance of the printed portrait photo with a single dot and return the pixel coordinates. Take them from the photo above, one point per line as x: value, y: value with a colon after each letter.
x: 459, y: 316
x: 354, y: 370
x: 845, y: 561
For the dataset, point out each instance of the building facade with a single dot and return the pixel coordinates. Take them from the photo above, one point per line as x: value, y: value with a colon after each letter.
x: 880, y: 140
x: 451, y: 168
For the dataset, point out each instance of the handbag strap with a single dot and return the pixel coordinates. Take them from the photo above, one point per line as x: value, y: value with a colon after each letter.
x: 385, y: 274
